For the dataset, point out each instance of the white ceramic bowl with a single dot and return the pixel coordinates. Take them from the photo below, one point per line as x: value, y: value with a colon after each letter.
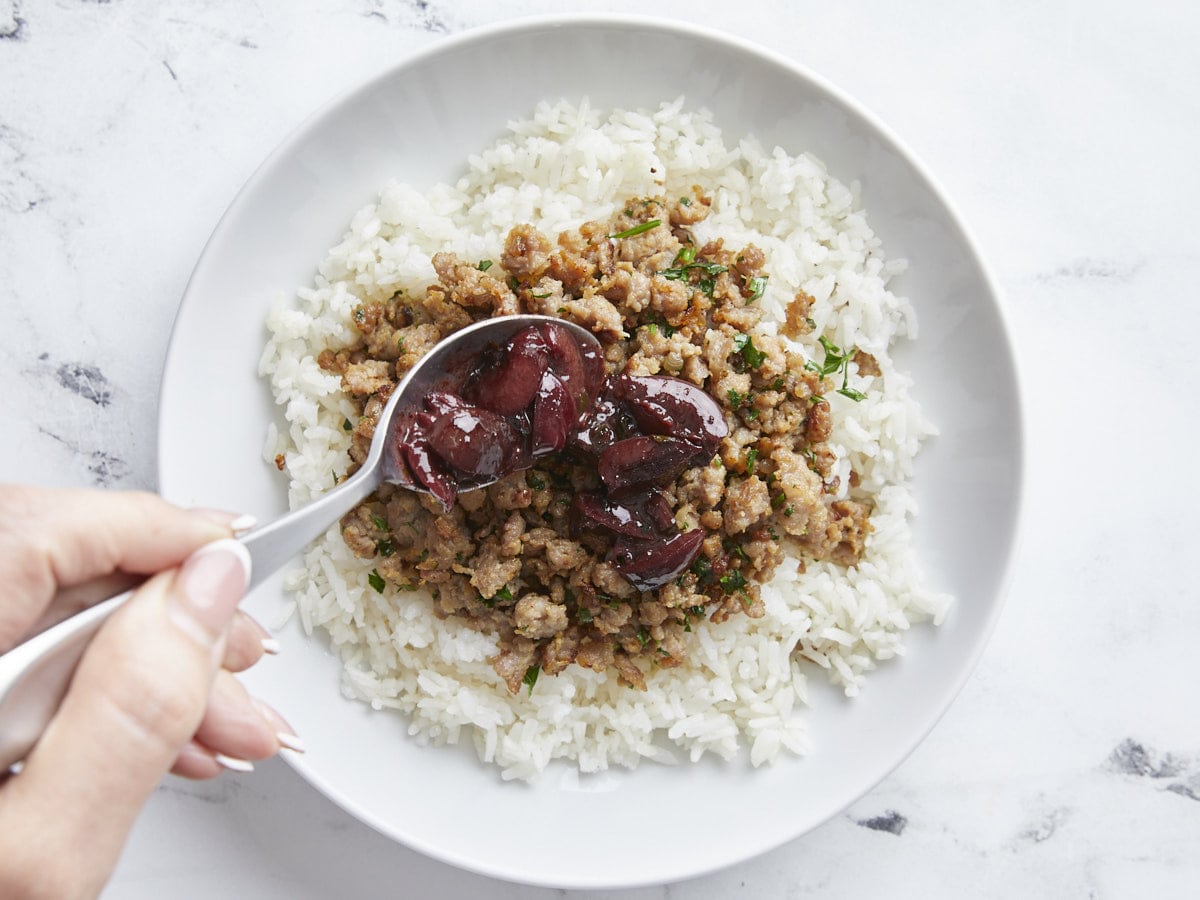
x: 419, y: 121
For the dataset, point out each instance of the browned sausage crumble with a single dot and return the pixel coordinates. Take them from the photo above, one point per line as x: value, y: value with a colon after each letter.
x: 503, y: 559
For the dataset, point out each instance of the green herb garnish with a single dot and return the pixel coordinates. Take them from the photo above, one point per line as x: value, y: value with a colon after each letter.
x: 636, y: 230
x: 836, y: 361
x: 376, y: 580
x: 685, y: 201
x: 585, y: 616
x: 484, y: 265
x: 347, y: 425
x: 379, y: 522
x: 504, y: 594
x: 531, y: 675
x: 685, y: 255
x: 680, y: 272
x: 751, y: 459
x: 758, y: 284
x: 736, y: 399
x: 643, y: 637
x: 751, y: 354
x: 534, y: 480
x: 386, y: 547
x: 733, y: 582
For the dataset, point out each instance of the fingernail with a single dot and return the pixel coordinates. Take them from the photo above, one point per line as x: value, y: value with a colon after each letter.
x: 233, y: 763
x: 209, y: 587
x: 243, y: 523
x: 284, y: 733
x: 291, y: 742
x: 269, y: 644
x: 235, y: 522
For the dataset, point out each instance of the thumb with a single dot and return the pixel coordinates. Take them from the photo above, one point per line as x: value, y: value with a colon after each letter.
x: 137, y: 697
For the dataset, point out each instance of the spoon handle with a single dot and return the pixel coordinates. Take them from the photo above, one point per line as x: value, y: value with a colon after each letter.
x: 35, y: 675
x: 273, y: 544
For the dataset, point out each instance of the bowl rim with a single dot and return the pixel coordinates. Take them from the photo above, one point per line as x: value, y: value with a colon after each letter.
x: 664, y: 24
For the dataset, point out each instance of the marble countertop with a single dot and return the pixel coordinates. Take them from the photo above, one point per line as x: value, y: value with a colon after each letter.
x: 1066, y: 132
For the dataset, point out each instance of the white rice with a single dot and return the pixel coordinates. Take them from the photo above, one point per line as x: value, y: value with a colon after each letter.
x: 741, y: 686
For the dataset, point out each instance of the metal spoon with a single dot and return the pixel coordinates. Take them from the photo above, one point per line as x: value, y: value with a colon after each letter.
x: 35, y: 675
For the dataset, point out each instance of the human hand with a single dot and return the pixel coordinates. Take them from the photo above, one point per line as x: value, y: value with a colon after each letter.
x: 154, y: 692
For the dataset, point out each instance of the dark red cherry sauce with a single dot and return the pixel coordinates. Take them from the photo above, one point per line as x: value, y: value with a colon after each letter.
x: 542, y: 393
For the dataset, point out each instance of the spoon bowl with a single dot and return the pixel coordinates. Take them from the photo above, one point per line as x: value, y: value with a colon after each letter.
x: 275, y: 543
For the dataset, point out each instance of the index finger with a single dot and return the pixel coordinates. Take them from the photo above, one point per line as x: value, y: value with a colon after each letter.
x: 56, y: 538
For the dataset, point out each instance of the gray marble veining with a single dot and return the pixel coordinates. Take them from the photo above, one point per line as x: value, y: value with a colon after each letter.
x: 1070, y: 764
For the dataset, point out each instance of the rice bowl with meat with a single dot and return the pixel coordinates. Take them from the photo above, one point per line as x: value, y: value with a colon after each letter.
x: 743, y: 679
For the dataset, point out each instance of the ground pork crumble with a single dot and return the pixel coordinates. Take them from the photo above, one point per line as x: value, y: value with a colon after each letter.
x: 503, y: 559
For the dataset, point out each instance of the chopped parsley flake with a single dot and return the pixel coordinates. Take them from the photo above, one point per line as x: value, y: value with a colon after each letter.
x: 751, y: 354
x: 379, y: 522
x: 376, y: 581
x: 733, y: 582
x: 346, y: 425
x: 680, y: 273
x: 531, y: 675
x: 386, y: 547
x: 686, y: 255
x: 751, y: 459
x: 484, y: 265
x: 503, y: 594
x: 758, y: 284
x: 836, y: 361
x: 585, y: 616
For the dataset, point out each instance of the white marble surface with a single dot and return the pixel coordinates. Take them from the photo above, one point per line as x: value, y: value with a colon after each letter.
x: 1067, y: 133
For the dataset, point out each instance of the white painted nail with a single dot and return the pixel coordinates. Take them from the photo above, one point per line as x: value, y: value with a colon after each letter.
x: 291, y: 742
x: 243, y: 523
x: 270, y: 645
x: 232, y: 763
